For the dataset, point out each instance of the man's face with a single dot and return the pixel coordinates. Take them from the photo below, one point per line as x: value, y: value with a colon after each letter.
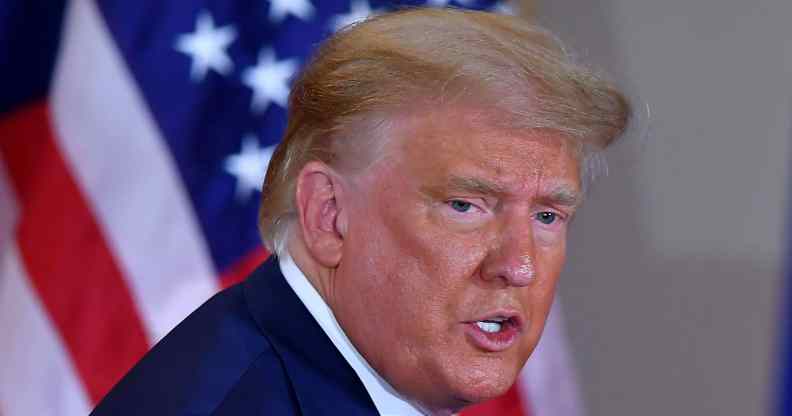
x: 455, y: 241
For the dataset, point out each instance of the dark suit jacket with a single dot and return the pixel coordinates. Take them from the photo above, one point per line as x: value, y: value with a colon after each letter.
x: 253, y: 349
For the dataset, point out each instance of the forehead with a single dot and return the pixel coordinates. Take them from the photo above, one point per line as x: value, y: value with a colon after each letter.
x: 465, y: 143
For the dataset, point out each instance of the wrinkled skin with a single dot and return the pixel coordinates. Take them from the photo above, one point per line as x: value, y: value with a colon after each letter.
x: 455, y: 221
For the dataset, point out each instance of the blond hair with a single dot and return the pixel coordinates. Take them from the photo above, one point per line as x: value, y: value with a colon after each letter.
x: 394, y: 60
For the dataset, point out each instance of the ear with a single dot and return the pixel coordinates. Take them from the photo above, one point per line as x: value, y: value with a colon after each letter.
x: 322, y: 221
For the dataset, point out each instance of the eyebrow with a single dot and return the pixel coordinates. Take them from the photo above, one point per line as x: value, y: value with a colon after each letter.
x: 559, y: 195
x: 564, y: 195
x: 464, y: 184
x: 475, y: 185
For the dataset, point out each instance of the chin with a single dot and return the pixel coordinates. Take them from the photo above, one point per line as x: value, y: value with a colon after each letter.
x: 462, y: 383
x: 484, y: 383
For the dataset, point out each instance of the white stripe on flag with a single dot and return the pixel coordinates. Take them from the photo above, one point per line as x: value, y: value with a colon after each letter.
x: 121, y: 162
x: 549, y: 379
x: 36, y: 375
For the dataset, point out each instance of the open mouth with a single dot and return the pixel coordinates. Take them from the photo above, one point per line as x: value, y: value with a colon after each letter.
x: 495, y: 333
x: 494, y: 325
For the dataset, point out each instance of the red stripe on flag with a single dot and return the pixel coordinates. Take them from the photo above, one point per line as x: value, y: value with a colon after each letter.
x: 241, y: 269
x: 510, y: 404
x: 67, y: 259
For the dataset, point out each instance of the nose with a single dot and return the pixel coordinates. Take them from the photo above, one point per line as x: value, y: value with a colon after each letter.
x: 511, y: 259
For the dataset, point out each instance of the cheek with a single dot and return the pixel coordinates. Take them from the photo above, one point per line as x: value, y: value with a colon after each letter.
x: 541, y: 294
x: 425, y: 268
x: 436, y: 264
x: 551, y: 261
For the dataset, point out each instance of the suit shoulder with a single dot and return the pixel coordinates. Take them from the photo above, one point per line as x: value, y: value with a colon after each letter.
x: 205, y: 364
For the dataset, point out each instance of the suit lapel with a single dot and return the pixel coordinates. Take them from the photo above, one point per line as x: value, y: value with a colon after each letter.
x: 323, y: 381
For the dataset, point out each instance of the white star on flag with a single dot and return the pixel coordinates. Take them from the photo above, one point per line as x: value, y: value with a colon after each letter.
x: 358, y: 10
x: 444, y: 3
x: 269, y: 80
x: 299, y: 8
x: 207, y: 47
x: 249, y: 166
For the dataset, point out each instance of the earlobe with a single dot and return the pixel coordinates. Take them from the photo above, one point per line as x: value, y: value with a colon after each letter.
x: 322, y: 219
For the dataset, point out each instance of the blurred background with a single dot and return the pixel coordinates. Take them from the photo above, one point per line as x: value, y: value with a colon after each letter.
x: 676, y: 286
x: 119, y: 120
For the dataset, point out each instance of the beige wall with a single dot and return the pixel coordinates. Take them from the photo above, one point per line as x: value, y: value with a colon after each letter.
x: 673, y: 287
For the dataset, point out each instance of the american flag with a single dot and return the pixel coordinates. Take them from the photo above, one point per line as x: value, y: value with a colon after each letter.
x: 134, y: 137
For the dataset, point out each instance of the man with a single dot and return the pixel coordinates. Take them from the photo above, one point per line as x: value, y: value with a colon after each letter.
x: 418, y: 207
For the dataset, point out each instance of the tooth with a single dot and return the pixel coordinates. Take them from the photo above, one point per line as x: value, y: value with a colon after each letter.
x: 490, y: 327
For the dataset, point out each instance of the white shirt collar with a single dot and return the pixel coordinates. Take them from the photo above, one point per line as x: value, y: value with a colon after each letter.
x: 385, y: 398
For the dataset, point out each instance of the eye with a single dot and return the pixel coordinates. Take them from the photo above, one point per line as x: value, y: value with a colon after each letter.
x: 547, y: 217
x: 460, y: 206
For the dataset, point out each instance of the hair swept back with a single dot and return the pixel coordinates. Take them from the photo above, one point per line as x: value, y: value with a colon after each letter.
x: 393, y: 60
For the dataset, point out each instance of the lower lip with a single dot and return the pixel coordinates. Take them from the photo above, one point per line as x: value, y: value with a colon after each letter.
x: 492, y: 341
